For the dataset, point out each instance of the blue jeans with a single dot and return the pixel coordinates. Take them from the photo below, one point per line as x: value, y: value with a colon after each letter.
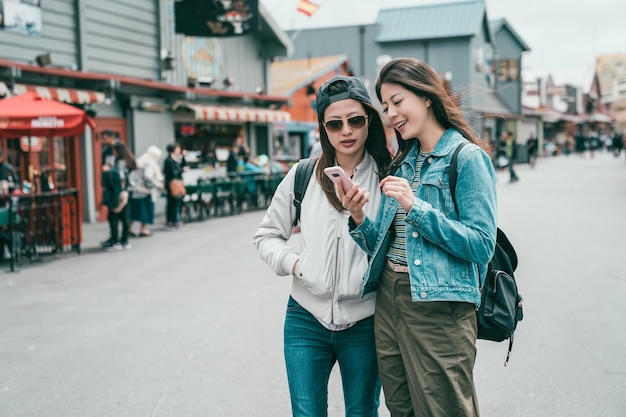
x: 311, y: 351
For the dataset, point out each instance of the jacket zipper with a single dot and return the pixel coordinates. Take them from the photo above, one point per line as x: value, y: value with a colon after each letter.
x: 335, y: 277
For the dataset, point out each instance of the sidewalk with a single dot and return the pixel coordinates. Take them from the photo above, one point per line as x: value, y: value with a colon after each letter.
x: 190, y: 323
x: 94, y: 233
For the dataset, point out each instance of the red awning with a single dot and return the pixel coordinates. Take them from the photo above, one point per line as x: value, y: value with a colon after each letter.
x: 65, y: 95
x: 32, y: 115
x: 235, y: 114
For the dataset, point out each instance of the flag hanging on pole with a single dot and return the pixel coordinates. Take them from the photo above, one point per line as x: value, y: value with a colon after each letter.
x: 307, y: 7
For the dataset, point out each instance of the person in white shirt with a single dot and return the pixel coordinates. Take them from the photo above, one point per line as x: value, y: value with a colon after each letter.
x: 327, y: 321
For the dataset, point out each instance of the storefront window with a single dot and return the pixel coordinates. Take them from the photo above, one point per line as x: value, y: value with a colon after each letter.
x: 41, y: 162
x: 507, y: 70
x: 207, y: 144
x: 13, y: 153
x: 44, y: 155
x: 49, y: 164
x: 60, y: 162
x: 286, y: 145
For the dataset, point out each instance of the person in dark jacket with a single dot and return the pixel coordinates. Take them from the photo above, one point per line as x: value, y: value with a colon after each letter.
x: 115, y: 197
x: 531, y: 146
x: 7, y: 173
x: 172, y: 169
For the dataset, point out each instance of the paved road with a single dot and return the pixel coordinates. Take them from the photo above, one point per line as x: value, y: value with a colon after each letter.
x: 189, y: 323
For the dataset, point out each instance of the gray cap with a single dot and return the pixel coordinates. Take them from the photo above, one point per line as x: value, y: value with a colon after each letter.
x: 356, y: 90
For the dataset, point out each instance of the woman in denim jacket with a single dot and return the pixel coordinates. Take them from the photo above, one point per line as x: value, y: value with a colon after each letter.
x: 428, y: 261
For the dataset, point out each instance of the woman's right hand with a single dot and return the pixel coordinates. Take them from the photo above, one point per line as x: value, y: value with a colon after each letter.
x: 353, y: 200
x: 400, y: 189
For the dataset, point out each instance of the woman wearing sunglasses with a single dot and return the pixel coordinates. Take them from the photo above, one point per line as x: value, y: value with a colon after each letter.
x: 327, y: 321
x: 428, y: 257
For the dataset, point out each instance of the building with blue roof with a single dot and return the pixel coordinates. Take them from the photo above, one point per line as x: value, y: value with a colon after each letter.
x: 480, y: 60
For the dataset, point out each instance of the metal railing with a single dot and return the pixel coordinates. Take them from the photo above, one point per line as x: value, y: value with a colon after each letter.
x: 228, y: 195
x: 39, y: 225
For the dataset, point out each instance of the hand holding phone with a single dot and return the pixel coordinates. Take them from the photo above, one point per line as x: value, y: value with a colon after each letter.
x: 339, y: 177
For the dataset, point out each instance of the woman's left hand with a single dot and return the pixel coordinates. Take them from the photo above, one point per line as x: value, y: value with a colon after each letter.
x: 400, y: 189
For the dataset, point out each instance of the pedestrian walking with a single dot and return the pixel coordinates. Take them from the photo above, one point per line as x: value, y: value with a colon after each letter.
x: 327, y: 321
x: 173, y: 170
x: 510, y: 149
x: 427, y: 258
x: 617, y: 143
x: 115, y: 197
x: 531, y: 147
x: 146, y: 185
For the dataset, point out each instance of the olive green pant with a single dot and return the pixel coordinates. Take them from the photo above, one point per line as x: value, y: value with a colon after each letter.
x: 426, y: 352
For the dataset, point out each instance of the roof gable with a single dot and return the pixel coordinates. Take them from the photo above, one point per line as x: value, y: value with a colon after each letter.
x: 435, y: 21
x: 498, y: 25
x: 276, y: 42
x: 291, y: 75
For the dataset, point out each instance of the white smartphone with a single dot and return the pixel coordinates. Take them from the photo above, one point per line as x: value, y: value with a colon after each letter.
x: 339, y: 176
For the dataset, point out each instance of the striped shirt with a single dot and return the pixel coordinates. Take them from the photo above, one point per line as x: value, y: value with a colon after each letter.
x: 397, y: 250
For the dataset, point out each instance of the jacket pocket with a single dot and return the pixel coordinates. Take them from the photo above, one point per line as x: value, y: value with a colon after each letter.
x: 312, y: 277
x: 436, y: 191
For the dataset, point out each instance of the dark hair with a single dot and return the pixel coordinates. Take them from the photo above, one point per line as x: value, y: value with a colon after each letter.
x: 375, y: 145
x: 422, y: 80
x: 170, y: 148
x: 109, y: 132
x: 122, y: 151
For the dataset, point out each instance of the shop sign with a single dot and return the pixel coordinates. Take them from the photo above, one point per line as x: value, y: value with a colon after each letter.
x: 187, y: 130
x: 31, y: 144
x: 556, y: 90
x: 47, y: 122
x: 23, y: 17
x: 216, y: 18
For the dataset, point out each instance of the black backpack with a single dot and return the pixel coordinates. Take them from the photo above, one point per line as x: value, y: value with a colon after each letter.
x: 304, y: 170
x: 501, y: 304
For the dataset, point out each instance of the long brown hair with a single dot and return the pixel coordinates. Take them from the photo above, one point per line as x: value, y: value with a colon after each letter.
x: 375, y: 145
x: 122, y: 151
x: 422, y: 80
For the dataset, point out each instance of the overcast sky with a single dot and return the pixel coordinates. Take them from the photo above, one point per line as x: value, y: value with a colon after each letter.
x: 564, y: 36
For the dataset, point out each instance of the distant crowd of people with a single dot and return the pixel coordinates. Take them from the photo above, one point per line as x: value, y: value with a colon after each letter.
x: 507, y: 154
x: 131, y: 186
x: 594, y: 141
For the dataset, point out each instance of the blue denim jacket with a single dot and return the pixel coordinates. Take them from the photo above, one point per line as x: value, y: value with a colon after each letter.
x: 447, y: 252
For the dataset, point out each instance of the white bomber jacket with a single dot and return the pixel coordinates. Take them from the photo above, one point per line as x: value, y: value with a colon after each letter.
x: 329, y: 277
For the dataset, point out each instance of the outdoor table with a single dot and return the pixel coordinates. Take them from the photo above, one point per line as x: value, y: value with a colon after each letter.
x: 221, y: 195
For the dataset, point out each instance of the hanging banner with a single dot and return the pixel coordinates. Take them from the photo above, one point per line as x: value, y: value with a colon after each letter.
x: 210, y: 18
x: 21, y: 16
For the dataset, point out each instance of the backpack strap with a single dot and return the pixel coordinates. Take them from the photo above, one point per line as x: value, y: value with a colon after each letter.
x: 453, y: 174
x: 304, y: 170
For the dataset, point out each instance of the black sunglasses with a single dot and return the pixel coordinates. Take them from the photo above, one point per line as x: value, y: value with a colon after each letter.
x: 355, y: 122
